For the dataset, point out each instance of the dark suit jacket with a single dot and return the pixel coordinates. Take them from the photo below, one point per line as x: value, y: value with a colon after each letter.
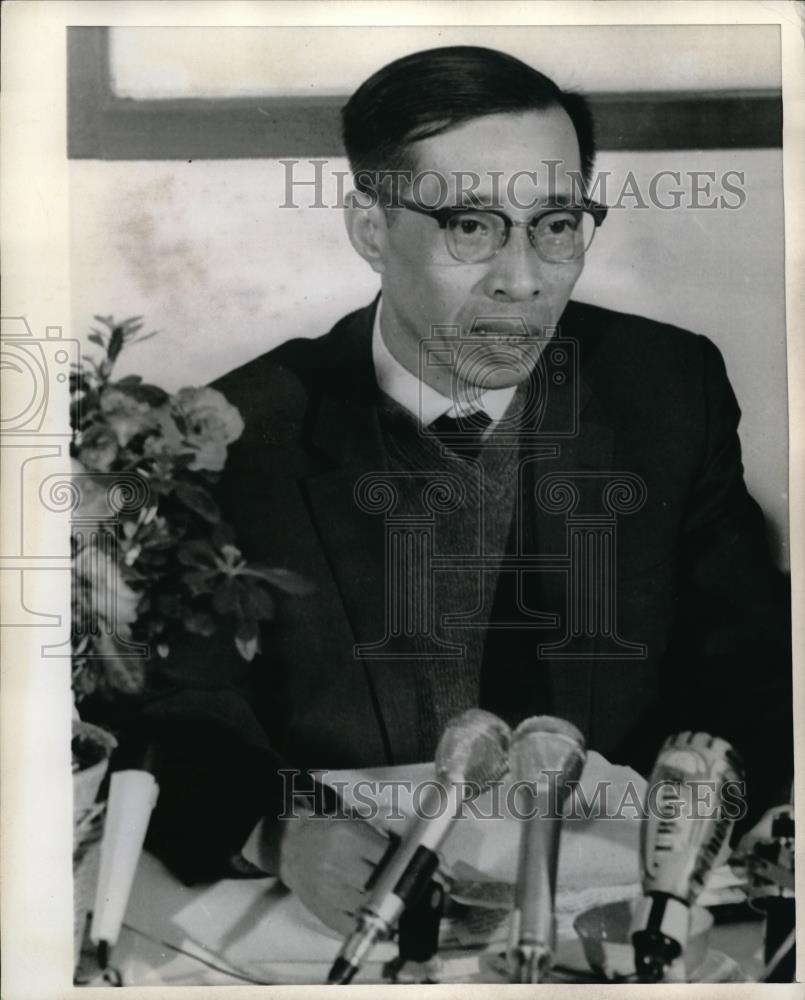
x: 695, y: 586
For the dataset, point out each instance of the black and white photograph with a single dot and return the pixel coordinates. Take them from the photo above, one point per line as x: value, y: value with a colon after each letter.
x: 399, y: 481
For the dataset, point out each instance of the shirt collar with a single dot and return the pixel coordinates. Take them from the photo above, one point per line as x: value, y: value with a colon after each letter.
x: 422, y: 400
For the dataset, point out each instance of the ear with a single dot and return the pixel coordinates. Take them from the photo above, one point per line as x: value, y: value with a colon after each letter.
x: 367, y: 229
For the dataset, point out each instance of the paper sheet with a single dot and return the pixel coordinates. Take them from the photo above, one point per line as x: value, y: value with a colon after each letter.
x: 601, y: 852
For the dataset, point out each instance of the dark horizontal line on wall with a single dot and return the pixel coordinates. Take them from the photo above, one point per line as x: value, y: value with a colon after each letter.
x: 103, y: 126
x: 702, y: 120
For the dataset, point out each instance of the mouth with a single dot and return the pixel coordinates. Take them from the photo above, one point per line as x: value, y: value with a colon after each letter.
x: 504, y: 330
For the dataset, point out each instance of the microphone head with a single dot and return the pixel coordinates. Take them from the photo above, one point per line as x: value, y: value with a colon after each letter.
x: 544, y: 743
x: 474, y: 748
x: 681, y: 824
x: 698, y: 756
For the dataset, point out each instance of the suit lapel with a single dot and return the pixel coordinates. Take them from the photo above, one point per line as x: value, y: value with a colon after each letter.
x: 346, y: 427
x: 556, y: 466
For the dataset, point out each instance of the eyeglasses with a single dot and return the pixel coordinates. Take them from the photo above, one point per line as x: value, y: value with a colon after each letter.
x: 558, y: 234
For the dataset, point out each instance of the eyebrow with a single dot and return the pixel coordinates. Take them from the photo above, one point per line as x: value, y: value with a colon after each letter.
x: 473, y: 201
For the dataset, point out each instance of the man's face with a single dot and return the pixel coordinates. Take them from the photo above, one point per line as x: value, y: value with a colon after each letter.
x: 424, y: 287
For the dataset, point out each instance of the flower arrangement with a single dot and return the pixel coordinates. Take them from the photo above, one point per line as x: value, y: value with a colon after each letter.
x: 166, y: 564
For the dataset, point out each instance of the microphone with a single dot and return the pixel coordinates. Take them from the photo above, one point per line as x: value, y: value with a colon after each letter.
x: 472, y: 753
x: 547, y: 754
x: 681, y: 841
x: 133, y: 791
x: 770, y: 866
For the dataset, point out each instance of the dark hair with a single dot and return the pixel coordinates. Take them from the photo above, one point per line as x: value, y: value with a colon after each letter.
x: 427, y: 93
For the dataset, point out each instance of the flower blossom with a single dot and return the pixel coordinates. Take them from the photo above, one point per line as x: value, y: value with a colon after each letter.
x: 211, y: 423
x: 167, y: 439
x: 101, y: 597
x: 99, y: 448
x: 127, y: 416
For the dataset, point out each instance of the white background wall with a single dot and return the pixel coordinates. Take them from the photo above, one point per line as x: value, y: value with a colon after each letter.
x: 194, y: 62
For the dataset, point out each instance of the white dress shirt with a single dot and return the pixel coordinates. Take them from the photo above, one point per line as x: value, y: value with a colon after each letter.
x: 422, y: 400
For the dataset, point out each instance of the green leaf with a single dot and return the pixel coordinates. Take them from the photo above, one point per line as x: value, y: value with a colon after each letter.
x: 247, y: 639
x: 79, y: 383
x: 197, y: 553
x: 247, y: 629
x: 283, y: 579
x: 248, y: 648
x: 170, y: 605
x: 126, y: 677
x: 227, y: 597
x: 199, y: 623
x: 198, y: 582
x: 161, y: 482
x: 116, y: 342
x: 129, y: 382
x: 199, y: 500
x: 143, y: 392
x: 96, y: 338
x: 223, y: 534
x: 153, y: 395
x: 258, y: 603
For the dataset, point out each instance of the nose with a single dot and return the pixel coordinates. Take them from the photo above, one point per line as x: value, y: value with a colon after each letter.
x: 516, y: 273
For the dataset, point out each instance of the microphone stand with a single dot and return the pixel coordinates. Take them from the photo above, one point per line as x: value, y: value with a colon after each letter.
x: 418, y: 938
x: 770, y: 866
x: 533, y: 923
x: 547, y: 755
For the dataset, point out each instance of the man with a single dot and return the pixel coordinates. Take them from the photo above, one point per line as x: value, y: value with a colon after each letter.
x: 570, y: 479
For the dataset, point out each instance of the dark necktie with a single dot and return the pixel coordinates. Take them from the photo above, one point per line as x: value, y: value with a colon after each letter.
x: 463, y: 435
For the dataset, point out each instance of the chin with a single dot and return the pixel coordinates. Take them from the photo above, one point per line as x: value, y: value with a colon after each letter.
x: 507, y: 374
x: 502, y: 366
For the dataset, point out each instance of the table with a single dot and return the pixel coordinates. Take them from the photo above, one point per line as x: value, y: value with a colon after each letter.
x: 253, y: 930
